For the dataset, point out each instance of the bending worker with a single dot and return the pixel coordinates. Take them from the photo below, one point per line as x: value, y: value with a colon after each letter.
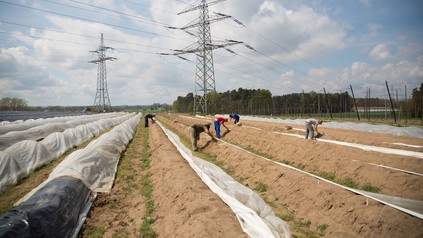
x: 217, y: 122
x: 149, y: 116
x: 195, y: 130
x: 311, y: 127
x: 235, y: 117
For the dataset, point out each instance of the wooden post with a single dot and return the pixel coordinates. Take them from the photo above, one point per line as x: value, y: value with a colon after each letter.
x: 406, y: 106
x: 327, y: 104
x: 421, y: 104
x: 355, y: 103
x: 390, y: 99
x: 306, y: 103
x: 370, y: 106
x: 318, y: 104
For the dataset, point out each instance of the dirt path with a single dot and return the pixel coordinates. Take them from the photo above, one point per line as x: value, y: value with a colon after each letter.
x: 185, y: 207
x: 120, y: 213
x: 307, y: 203
x: 183, y: 204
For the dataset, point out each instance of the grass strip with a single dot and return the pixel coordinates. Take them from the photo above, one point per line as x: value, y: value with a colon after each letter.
x: 146, y: 229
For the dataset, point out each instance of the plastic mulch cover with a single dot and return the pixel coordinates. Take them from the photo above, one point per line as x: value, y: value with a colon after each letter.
x: 53, y: 211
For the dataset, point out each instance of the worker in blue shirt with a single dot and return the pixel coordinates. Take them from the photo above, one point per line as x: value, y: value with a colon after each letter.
x: 235, y: 117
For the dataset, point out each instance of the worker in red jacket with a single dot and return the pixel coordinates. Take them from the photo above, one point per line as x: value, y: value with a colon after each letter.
x: 217, y: 122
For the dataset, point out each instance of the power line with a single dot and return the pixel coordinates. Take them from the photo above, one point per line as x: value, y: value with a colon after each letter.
x: 149, y: 6
x: 71, y: 42
x: 290, y: 52
x: 75, y: 34
x: 178, y: 52
x: 85, y: 19
x: 114, y: 11
x: 99, y: 22
x: 44, y: 38
x: 277, y: 61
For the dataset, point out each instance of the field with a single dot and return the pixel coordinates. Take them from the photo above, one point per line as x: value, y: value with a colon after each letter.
x: 185, y: 207
x: 157, y: 194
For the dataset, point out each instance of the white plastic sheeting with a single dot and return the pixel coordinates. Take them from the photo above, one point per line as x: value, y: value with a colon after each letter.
x: 96, y: 164
x: 46, y: 127
x: 255, y: 216
x: 20, y: 159
x: 58, y: 207
x: 409, y: 204
x: 413, y: 131
x: 20, y: 125
x: 384, y: 150
x: 411, y: 207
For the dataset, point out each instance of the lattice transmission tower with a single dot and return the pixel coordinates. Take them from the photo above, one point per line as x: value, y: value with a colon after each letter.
x: 204, y: 75
x: 102, y: 100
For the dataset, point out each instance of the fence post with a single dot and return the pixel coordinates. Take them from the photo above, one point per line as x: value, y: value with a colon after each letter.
x: 406, y: 106
x: 370, y: 107
x: 390, y: 99
x: 306, y: 103
x: 355, y: 103
x: 327, y: 104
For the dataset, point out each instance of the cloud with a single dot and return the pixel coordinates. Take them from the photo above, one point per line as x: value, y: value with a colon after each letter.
x: 25, y: 72
x: 380, y: 52
x: 410, y: 50
x: 363, y: 76
x: 297, y: 32
x: 293, y: 44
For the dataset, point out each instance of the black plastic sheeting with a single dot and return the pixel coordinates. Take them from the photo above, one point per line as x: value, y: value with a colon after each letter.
x: 53, y: 211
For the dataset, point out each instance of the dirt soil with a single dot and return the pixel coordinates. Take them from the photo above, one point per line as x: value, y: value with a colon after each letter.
x: 185, y: 207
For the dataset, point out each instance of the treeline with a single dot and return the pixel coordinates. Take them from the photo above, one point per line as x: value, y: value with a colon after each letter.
x: 414, y: 107
x: 13, y: 104
x: 18, y: 104
x: 261, y: 102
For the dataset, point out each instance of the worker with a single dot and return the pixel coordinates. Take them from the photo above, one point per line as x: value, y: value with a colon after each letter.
x: 217, y: 122
x: 149, y: 116
x: 235, y: 117
x: 311, y: 127
x: 195, y: 130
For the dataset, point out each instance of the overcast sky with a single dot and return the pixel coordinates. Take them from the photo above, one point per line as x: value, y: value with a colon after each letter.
x: 298, y: 46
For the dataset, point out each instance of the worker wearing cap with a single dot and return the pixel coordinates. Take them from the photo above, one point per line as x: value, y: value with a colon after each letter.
x: 195, y: 130
x: 311, y: 127
x: 217, y: 122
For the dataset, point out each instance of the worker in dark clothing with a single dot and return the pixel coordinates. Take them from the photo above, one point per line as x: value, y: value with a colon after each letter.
x: 195, y: 130
x: 235, y: 117
x: 149, y: 116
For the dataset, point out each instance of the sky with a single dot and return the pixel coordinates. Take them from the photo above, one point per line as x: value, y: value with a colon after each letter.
x: 287, y: 46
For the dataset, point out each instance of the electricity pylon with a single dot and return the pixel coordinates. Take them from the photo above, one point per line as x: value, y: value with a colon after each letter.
x: 204, y: 75
x: 102, y: 100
